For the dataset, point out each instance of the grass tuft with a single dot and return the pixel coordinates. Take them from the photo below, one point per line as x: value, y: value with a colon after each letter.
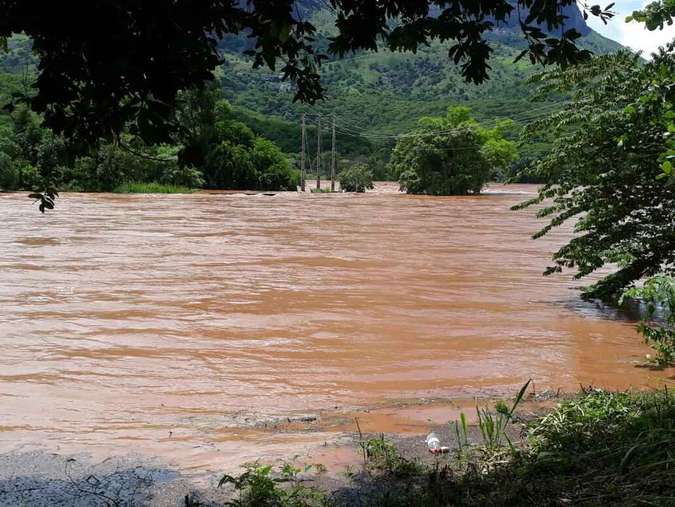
x: 150, y: 188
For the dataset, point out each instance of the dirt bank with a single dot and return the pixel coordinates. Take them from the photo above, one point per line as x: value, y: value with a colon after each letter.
x: 42, y: 478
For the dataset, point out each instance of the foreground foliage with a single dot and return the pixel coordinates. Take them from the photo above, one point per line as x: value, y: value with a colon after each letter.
x: 127, y: 62
x: 258, y: 487
x: 600, y: 448
x: 607, y: 172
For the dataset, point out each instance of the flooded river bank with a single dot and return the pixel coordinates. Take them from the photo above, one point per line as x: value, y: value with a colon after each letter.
x: 175, y: 325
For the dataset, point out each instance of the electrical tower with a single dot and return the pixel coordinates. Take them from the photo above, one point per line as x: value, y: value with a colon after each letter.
x: 318, y: 153
x: 302, y: 156
x: 332, y: 160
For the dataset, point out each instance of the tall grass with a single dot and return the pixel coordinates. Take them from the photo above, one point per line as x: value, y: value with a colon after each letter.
x: 493, y: 425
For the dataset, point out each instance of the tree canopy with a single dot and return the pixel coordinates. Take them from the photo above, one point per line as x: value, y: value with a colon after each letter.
x: 110, y: 66
x: 608, y: 170
x: 213, y: 150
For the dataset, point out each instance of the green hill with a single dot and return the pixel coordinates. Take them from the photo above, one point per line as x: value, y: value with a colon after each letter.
x: 373, y: 96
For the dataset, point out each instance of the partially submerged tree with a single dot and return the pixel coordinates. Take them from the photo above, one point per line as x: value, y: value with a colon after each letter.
x: 357, y: 178
x: 658, y: 325
x: 451, y: 155
x: 606, y: 170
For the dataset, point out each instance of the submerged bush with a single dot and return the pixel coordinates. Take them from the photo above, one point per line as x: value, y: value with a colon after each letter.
x: 452, y: 155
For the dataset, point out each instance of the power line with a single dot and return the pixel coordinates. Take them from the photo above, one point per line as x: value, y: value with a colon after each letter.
x: 352, y: 128
x: 525, y: 116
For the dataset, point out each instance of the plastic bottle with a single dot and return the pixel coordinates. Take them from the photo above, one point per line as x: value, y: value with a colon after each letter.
x: 433, y: 442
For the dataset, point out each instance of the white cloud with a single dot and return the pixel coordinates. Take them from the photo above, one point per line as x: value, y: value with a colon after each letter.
x: 633, y: 34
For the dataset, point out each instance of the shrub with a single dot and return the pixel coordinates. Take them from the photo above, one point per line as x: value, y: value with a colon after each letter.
x: 258, y: 486
x: 29, y: 175
x: 150, y: 188
x: 183, y: 176
x: 9, y: 173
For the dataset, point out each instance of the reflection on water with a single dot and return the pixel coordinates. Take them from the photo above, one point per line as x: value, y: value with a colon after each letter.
x: 124, y: 317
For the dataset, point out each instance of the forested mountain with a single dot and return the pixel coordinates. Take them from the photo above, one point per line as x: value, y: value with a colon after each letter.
x: 374, y: 96
x: 385, y: 93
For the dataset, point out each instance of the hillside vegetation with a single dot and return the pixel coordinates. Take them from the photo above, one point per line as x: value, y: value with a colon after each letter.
x: 376, y: 96
x: 373, y: 97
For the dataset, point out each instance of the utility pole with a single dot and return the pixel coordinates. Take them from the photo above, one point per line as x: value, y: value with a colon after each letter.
x: 302, y: 156
x: 332, y: 161
x: 318, y: 153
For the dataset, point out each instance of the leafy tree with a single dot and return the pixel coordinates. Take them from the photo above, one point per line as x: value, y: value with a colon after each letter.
x: 9, y: 173
x: 604, y: 172
x: 655, y: 15
x: 28, y: 133
x: 499, y: 154
x: 109, y: 66
x: 229, y: 165
x: 451, y: 155
x: 274, y: 171
x: 210, y: 140
x: 357, y: 178
x: 227, y: 151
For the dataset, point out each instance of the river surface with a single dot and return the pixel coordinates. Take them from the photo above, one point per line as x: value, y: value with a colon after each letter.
x: 167, y: 324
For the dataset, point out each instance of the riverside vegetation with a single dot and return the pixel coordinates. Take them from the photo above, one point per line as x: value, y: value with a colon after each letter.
x: 597, y: 448
x: 212, y: 150
x: 376, y: 95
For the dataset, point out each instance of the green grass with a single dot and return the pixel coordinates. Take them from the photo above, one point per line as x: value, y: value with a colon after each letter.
x: 151, y: 188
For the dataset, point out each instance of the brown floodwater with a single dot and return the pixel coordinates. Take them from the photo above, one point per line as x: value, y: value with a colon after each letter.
x: 169, y: 325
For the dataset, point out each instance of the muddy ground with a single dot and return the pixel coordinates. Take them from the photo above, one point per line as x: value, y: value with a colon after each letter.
x: 42, y: 478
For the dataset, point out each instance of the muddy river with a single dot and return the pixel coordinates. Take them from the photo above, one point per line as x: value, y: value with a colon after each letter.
x: 173, y: 325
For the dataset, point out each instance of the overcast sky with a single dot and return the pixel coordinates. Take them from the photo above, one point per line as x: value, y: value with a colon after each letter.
x: 633, y: 35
